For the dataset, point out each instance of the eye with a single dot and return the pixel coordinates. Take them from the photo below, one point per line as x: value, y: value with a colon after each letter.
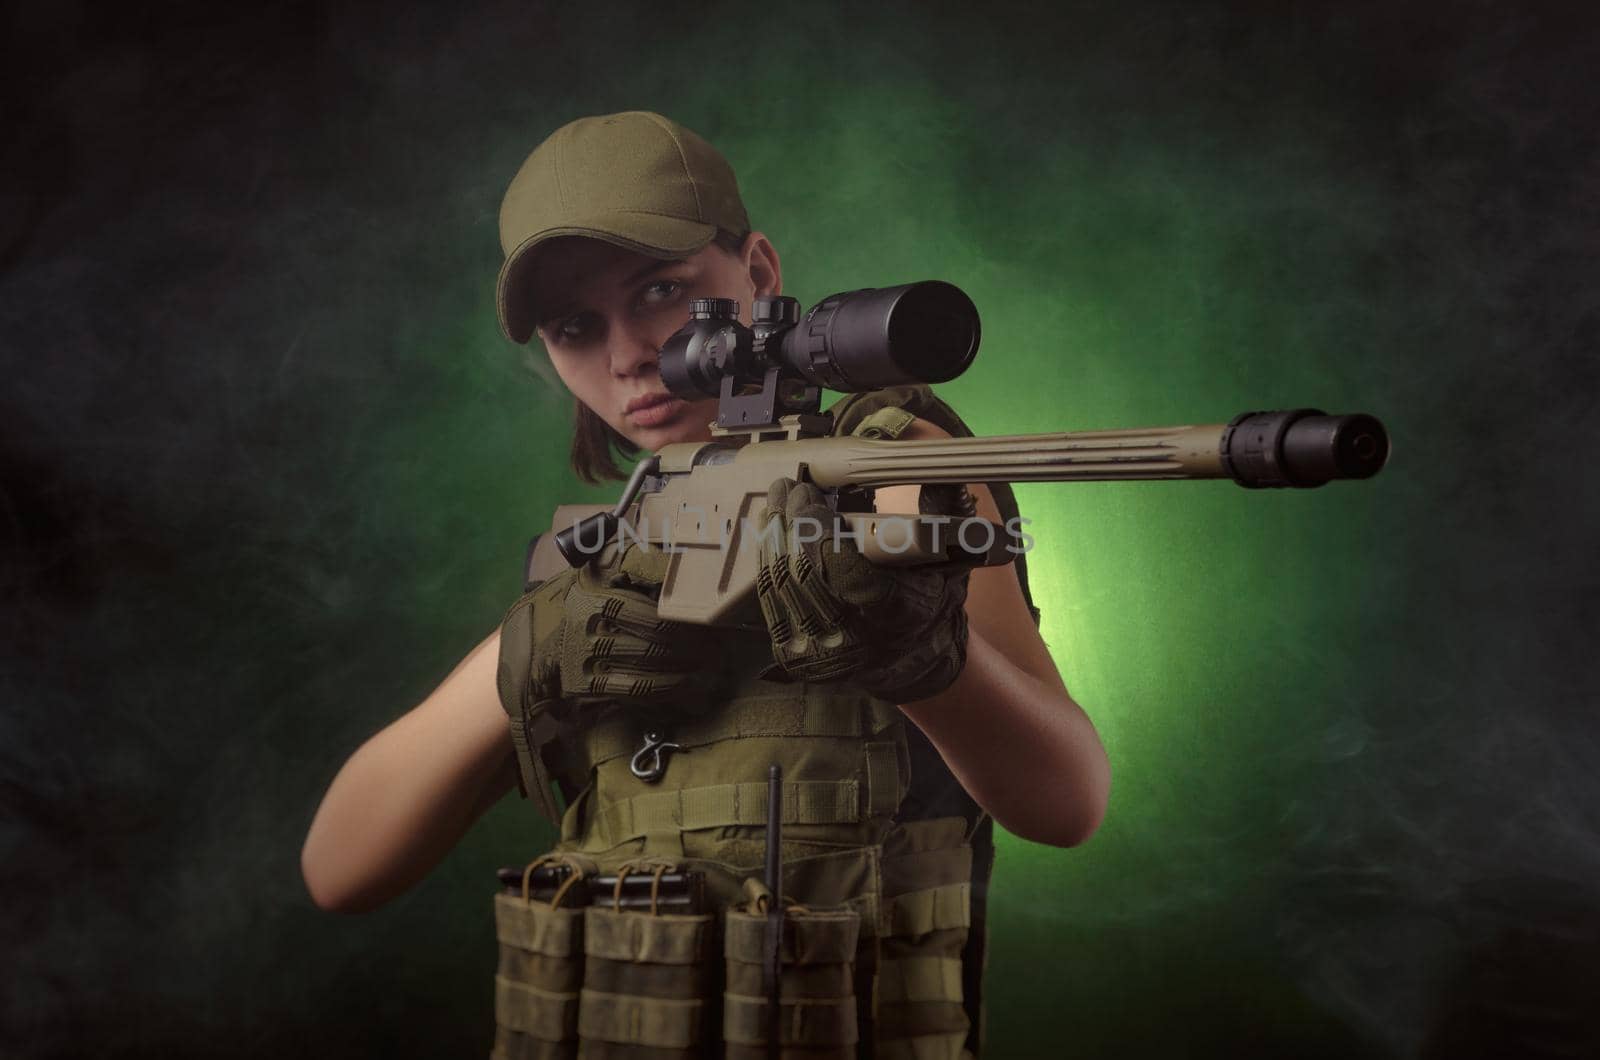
x: 660, y: 292
x: 576, y: 330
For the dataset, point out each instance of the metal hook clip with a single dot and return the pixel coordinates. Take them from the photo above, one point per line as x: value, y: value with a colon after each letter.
x: 649, y: 762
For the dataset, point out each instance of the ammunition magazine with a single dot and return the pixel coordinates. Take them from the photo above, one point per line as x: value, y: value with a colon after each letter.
x: 671, y: 892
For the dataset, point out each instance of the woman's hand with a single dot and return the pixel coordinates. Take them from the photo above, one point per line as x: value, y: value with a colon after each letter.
x: 833, y: 615
x: 592, y: 634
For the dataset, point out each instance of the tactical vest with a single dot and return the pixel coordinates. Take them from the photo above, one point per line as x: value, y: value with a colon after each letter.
x: 885, y: 855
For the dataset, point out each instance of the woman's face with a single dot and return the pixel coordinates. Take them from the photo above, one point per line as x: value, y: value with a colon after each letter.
x: 604, y: 313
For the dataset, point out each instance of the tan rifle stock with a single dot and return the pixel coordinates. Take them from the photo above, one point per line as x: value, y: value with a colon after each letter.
x: 710, y: 506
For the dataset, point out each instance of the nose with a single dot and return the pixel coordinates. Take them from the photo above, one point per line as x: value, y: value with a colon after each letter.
x: 634, y: 349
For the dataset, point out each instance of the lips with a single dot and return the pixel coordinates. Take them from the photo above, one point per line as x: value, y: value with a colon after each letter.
x: 644, y: 401
x: 652, y: 410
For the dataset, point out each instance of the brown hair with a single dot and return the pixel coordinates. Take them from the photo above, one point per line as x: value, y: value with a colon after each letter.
x: 596, y: 448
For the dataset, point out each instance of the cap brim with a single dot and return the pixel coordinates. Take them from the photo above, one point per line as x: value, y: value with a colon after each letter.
x: 653, y: 235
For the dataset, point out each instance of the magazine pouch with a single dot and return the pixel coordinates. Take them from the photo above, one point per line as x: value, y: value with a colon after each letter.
x: 541, y: 967
x: 649, y: 977
x: 815, y: 988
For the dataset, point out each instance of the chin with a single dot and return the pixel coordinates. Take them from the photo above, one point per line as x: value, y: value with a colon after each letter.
x: 656, y: 437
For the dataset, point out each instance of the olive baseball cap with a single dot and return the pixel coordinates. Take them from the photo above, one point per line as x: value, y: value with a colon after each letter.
x: 637, y: 180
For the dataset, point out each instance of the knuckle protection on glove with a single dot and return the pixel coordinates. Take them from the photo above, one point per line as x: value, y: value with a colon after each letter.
x: 594, y: 633
x: 616, y: 646
x: 833, y: 615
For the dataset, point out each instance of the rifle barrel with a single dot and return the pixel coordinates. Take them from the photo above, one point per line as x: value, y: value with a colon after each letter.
x: 1086, y: 456
x: 1299, y: 447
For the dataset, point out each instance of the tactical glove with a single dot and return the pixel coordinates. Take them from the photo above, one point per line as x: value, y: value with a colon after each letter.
x: 588, y: 635
x: 833, y: 615
x: 593, y: 634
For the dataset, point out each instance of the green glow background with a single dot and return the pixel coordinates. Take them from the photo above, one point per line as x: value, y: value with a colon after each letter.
x: 269, y: 469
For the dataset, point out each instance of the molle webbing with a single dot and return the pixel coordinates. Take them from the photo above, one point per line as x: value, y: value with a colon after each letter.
x: 819, y: 713
x: 816, y: 990
x: 843, y: 750
x: 649, y: 989
x: 724, y: 805
x: 536, y: 986
x: 920, y: 979
x: 886, y: 414
x: 924, y: 929
x: 648, y: 981
x: 935, y: 909
x: 886, y: 422
x: 866, y: 850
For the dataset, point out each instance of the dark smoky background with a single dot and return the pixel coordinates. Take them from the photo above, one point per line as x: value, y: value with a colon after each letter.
x: 265, y: 476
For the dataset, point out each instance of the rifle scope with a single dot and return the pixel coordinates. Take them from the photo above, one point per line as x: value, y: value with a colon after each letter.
x: 860, y: 340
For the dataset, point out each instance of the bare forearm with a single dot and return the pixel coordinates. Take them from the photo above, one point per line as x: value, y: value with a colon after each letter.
x: 1020, y: 746
x: 1007, y: 727
x: 408, y: 794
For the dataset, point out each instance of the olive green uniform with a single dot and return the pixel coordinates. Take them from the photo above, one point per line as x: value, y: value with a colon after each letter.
x: 887, y: 856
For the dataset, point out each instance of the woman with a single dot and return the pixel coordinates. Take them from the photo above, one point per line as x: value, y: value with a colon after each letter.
x: 610, y: 228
